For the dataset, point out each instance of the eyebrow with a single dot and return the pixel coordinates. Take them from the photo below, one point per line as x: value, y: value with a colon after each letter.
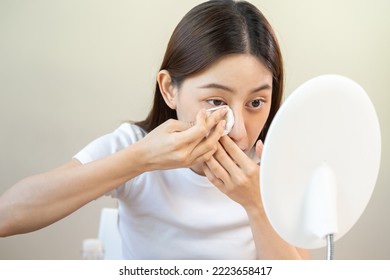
x: 228, y: 89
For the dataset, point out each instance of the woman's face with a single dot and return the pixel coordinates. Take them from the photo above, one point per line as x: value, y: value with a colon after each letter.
x: 240, y: 81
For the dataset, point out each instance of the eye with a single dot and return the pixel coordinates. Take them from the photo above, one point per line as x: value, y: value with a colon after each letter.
x: 257, y: 103
x: 216, y: 102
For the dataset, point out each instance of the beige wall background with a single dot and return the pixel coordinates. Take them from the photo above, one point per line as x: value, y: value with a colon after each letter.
x: 71, y: 71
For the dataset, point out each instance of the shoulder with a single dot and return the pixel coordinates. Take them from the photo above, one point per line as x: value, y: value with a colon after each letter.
x: 129, y: 132
x: 125, y: 135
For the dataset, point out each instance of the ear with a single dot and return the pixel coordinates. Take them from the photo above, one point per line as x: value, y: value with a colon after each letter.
x: 167, y: 89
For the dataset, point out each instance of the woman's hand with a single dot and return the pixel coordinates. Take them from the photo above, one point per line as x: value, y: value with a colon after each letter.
x: 235, y: 174
x: 177, y: 144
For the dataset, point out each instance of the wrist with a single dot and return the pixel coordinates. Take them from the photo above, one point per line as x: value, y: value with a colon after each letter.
x: 257, y: 213
x: 140, y: 157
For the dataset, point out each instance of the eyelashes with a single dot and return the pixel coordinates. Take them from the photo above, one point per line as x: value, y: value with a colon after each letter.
x: 216, y: 102
x: 253, y: 104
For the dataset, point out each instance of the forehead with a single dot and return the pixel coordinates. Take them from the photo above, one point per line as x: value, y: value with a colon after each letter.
x: 238, y: 70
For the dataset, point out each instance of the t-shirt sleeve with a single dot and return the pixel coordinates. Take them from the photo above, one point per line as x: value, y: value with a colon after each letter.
x: 124, y: 136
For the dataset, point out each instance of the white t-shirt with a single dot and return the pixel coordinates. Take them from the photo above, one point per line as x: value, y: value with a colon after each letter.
x: 173, y: 214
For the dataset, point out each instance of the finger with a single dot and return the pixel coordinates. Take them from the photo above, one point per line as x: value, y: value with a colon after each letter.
x: 222, y: 165
x: 202, y: 126
x: 259, y: 149
x: 226, y: 161
x: 209, y: 145
x: 177, y: 129
x: 237, y: 155
x: 214, y: 180
x: 231, y: 148
x: 215, y: 173
x: 215, y: 117
x: 204, y: 157
x: 195, y: 133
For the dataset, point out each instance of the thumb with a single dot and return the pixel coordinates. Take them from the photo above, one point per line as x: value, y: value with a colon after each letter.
x: 259, y: 149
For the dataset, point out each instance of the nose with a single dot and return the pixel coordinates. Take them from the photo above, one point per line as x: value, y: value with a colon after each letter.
x: 238, y: 133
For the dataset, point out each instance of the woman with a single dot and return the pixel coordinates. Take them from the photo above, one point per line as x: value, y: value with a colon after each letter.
x: 185, y: 191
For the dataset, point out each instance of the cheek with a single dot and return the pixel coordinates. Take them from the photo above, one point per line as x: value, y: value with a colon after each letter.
x: 187, y: 108
x: 257, y: 125
x: 256, y: 128
x: 185, y: 114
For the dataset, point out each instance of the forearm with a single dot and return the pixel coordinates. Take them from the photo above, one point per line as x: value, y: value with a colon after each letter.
x: 269, y: 245
x: 42, y: 199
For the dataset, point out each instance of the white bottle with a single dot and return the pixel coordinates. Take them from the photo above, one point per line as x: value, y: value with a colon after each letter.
x: 92, y: 249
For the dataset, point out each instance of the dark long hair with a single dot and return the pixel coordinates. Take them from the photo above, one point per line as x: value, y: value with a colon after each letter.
x: 208, y: 32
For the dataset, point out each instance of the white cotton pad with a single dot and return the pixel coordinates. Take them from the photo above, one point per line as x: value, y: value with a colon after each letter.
x: 229, y: 117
